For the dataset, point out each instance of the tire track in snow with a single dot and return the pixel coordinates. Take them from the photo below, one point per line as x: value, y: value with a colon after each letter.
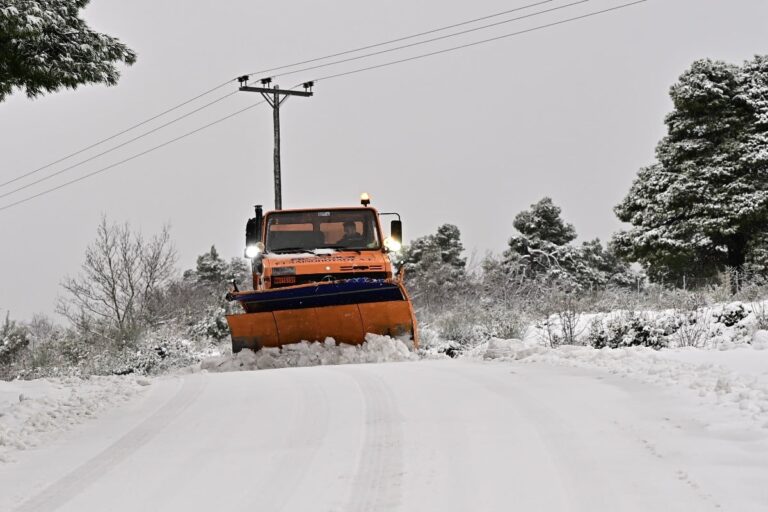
x: 66, y: 488
x: 556, y: 431
x: 309, y: 428
x: 377, y: 482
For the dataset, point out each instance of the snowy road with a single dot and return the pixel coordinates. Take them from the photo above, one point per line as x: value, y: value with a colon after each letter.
x: 428, y: 435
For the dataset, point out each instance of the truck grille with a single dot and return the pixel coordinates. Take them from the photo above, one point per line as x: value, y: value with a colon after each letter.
x: 281, y: 281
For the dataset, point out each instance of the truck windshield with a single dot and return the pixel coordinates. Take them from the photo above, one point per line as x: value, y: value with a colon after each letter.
x: 354, y: 229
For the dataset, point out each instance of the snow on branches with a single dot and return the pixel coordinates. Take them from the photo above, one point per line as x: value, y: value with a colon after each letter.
x: 46, y: 46
x: 704, y: 203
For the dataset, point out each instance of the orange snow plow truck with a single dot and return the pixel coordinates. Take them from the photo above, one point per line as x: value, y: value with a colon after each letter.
x: 320, y: 273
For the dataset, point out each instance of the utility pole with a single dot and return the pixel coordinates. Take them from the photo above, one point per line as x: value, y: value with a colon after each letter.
x: 275, y: 97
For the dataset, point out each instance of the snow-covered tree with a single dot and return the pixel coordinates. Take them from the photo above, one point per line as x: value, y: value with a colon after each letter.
x: 448, y: 241
x: 211, y: 267
x: 704, y: 203
x: 601, y: 266
x: 442, y: 249
x: 14, y: 339
x: 543, y: 250
x: 46, y: 46
x: 542, y: 243
x: 122, y: 278
x: 214, y: 270
x: 543, y: 222
x: 434, y: 263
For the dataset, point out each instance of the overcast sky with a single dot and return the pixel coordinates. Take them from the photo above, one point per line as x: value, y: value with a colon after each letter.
x: 470, y: 137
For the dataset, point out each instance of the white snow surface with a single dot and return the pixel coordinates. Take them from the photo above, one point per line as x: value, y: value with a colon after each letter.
x: 735, y: 379
x: 32, y: 412
x: 509, y: 426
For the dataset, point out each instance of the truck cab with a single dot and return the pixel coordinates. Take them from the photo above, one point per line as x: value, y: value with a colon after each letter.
x: 303, y: 246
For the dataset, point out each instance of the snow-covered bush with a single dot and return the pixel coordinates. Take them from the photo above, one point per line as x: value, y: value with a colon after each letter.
x: 14, y: 339
x: 760, y: 315
x: 156, y: 352
x: 731, y: 314
x: 693, y: 330
x: 630, y: 329
x: 212, y: 325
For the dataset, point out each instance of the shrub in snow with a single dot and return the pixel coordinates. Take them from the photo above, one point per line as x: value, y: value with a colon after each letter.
x: 731, y: 314
x: 212, y: 325
x: 13, y: 340
x: 693, y: 329
x: 156, y: 352
x: 629, y: 330
x: 760, y: 315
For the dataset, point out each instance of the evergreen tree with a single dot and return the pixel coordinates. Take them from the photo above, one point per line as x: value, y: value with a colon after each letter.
x: 211, y: 268
x: 46, y: 46
x: 542, y: 245
x: 704, y: 204
x: 543, y: 250
x: 543, y: 222
x: 441, y: 250
x: 434, y: 264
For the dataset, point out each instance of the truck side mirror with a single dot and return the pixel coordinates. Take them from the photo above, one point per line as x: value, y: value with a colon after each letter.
x: 251, y: 232
x: 396, y: 231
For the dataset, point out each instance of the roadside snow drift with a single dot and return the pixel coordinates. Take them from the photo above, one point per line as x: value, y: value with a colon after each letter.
x: 732, y: 378
x: 33, y: 411
x: 376, y: 349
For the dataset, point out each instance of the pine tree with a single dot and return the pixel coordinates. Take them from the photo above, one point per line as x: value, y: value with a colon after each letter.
x: 704, y: 203
x: 46, y: 46
x: 435, y: 267
x: 542, y: 245
x: 543, y: 222
x: 543, y: 250
x: 211, y: 268
x: 443, y: 249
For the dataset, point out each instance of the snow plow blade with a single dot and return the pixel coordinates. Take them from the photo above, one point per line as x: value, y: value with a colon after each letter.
x: 343, y: 310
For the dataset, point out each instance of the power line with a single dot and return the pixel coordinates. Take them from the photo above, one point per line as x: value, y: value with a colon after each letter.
x: 186, y: 102
x: 476, y: 43
x: 329, y: 77
x: 48, y: 177
x: 150, y: 150
x: 284, y: 74
x: 432, y: 40
x: 376, y: 45
x: 114, y: 148
x: 107, y: 139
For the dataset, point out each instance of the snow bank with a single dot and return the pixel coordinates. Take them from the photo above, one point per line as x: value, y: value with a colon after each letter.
x: 376, y: 349
x: 732, y: 378
x: 33, y: 411
x: 713, y: 326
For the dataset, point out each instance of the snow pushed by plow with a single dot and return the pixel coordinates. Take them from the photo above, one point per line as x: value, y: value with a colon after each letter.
x: 376, y: 349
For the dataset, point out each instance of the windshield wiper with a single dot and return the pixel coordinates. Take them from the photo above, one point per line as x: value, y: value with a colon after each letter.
x: 343, y: 248
x: 293, y: 249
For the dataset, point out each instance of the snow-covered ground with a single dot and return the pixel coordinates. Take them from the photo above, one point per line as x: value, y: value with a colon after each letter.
x: 509, y: 426
x: 33, y: 412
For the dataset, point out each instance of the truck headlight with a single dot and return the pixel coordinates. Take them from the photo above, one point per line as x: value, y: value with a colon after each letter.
x: 253, y: 251
x: 392, y: 245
